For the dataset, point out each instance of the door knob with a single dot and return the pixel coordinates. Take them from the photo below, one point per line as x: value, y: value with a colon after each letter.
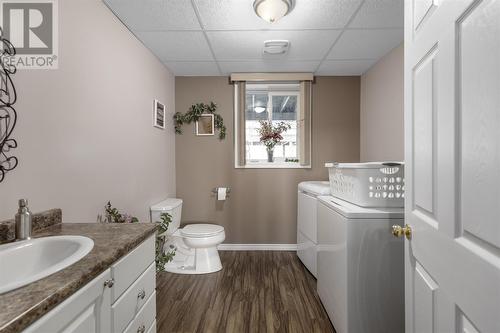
x: 399, y: 231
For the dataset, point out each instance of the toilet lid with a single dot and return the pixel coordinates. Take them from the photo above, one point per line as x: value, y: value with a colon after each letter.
x: 201, y: 230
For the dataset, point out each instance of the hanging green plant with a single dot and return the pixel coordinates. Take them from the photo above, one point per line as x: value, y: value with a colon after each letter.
x: 194, y: 113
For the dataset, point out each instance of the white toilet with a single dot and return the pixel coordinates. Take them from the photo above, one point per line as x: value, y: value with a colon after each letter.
x: 195, y: 245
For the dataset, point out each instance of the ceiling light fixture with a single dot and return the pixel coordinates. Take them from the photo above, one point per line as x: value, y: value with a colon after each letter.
x: 272, y: 10
x: 259, y: 109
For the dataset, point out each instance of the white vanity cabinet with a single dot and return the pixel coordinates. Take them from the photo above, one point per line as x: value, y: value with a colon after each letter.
x: 86, y: 311
x: 133, y: 295
x: 121, y: 299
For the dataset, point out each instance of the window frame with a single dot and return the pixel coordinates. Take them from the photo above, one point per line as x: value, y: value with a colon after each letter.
x: 240, y: 127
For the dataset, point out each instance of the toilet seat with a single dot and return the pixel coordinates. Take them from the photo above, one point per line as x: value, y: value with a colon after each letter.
x: 201, y: 230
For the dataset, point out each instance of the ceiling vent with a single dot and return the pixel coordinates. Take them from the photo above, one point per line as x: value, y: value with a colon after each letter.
x: 276, y: 47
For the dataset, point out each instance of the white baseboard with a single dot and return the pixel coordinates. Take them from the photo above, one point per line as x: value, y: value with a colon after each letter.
x: 257, y: 247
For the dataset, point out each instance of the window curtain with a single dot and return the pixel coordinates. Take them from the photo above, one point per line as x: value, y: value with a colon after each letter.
x: 304, y: 123
x: 303, y: 120
x: 239, y: 122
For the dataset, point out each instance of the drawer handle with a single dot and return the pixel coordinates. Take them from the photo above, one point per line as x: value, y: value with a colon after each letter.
x: 142, y: 294
x: 109, y: 283
x: 141, y: 329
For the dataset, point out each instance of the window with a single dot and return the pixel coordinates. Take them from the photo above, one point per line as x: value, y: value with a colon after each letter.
x: 275, y: 103
x: 279, y: 104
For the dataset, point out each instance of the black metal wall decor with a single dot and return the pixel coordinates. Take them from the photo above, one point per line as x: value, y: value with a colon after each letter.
x: 8, y: 115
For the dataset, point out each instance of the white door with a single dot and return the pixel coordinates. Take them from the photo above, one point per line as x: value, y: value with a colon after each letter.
x: 452, y: 126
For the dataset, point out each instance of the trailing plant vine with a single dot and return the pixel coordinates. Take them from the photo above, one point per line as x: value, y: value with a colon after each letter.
x: 161, y: 258
x: 194, y: 113
x: 114, y: 216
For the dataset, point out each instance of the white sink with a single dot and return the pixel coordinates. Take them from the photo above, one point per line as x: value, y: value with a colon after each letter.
x: 27, y: 261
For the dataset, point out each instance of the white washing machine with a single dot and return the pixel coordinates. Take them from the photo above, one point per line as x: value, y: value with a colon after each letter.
x: 360, y: 267
x: 307, y: 235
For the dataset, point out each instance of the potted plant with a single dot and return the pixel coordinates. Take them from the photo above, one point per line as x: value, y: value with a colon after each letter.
x: 270, y: 135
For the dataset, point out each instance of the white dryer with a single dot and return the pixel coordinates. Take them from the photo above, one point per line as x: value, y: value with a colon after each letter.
x: 360, y: 267
x: 307, y: 236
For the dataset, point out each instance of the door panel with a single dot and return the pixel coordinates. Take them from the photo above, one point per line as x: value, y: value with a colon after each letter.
x: 86, y: 322
x: 422, y: 10
x: 479, y: 90
x: 425, y: 299
x: 466, y: 326
x: 423, y: 123
x: 452, y: 152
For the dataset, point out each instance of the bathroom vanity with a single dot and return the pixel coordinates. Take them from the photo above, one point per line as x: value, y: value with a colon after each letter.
x: 112, y: 289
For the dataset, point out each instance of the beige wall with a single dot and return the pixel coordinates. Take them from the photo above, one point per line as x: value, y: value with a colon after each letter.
x: 85, y: 130
x: 262, y: 206
x: 382, y: 131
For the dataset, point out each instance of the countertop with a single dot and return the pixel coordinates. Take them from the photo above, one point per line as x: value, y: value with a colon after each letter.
x: 21, y: 307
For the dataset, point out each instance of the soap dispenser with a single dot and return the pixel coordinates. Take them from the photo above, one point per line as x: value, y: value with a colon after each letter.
x: 23, y: 221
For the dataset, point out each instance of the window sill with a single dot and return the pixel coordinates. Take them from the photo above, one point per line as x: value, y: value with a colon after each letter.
x: 277, y: 165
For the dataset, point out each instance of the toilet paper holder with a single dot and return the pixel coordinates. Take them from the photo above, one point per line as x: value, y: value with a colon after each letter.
x: 228, y: 190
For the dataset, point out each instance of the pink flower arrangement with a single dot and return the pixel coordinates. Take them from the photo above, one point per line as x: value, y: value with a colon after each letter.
x: 270, y: 135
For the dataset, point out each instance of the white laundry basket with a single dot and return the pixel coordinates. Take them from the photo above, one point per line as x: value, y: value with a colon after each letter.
x: 373, y: 184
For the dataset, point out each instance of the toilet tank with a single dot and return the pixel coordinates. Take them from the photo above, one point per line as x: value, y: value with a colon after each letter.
x: 172, y: 206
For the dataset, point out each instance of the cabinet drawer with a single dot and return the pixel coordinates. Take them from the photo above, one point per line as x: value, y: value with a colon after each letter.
x: 133, y: 299
x: 152, y: 328
x: 126, y: 270
x: 144, y: 318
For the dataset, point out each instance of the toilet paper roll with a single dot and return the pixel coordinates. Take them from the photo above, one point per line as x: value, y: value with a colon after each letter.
x: 221, y: 193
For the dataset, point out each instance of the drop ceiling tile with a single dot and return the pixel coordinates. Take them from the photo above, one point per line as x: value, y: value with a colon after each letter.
x: 344, y: 67
x: 200, y: 68
x: 177, y: 45
x: 307, y: 14
x: 248, y: 45
x: 228, y: 67
x: 379, y: 14
x: 155, y: 14
x: 366, y: 44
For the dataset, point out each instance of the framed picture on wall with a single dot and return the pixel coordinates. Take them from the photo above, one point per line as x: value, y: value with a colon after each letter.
x: 205, y: 125
x: 158, y: 114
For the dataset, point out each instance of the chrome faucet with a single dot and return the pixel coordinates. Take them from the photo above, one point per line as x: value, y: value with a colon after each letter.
x: 24, y: 226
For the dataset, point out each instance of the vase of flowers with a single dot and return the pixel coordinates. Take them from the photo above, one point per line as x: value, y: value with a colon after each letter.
x: 270, y: 155
x: 271, y: 135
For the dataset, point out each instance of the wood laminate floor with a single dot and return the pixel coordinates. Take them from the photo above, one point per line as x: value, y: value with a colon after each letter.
x: 256, y: 291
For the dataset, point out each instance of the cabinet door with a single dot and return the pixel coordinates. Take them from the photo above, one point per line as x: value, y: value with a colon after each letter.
x: 86, y: 311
